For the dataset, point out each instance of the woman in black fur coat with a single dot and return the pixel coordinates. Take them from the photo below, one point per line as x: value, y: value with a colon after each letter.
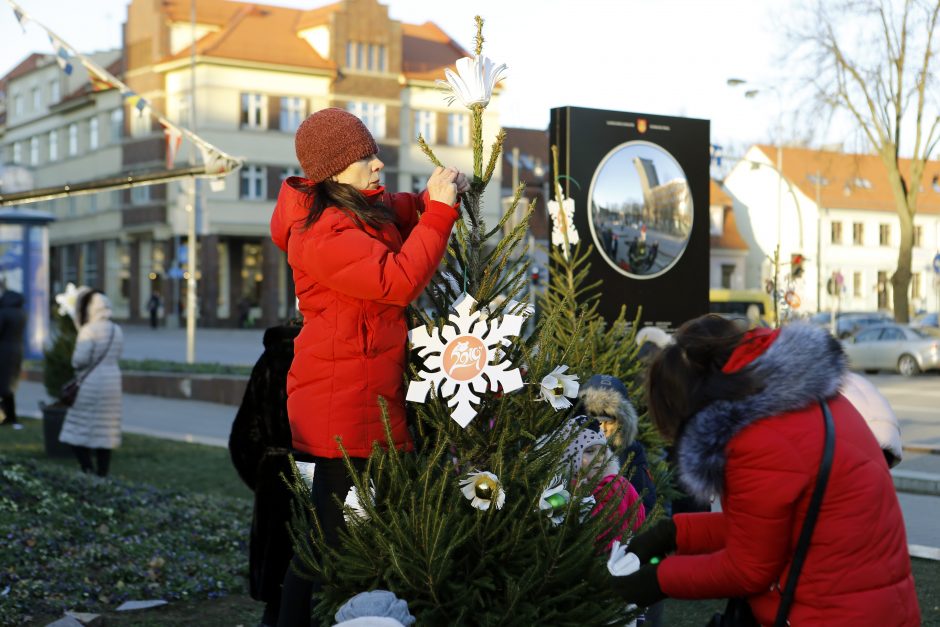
x: 259, y: 445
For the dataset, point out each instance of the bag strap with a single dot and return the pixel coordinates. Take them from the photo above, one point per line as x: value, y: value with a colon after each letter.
x: 802, y: 546
x: 100, y: 359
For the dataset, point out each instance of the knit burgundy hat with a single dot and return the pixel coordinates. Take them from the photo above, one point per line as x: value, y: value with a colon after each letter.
x: 329, y: 140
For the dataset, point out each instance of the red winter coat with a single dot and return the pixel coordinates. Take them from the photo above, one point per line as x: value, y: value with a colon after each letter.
x: 761, y: 455
x: 353, y: 285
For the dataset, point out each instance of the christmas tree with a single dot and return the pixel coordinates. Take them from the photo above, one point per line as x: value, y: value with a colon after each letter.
x: 483, y: 524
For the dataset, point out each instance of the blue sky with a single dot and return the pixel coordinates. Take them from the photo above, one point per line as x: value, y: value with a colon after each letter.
x: 669, y: 57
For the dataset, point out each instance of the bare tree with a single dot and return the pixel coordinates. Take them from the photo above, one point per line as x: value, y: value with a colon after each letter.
x: 871, y: 59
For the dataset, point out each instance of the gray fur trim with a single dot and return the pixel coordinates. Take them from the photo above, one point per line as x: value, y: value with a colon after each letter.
x: 802, y: 365
x: 599, y: 402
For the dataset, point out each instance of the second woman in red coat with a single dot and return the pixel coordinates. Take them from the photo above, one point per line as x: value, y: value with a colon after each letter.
x: 745, y: 411
x: 359, y: 256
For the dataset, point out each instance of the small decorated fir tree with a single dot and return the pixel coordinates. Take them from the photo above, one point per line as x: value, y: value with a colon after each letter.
x: 484, y: 524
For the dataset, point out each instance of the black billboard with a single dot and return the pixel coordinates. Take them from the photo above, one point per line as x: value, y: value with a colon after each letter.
x: 641, y: 189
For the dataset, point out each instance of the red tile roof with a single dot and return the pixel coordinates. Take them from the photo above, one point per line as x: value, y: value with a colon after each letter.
x: 730, y: 238
x: 427, y: 50
x: 25, y: 66
x: 852, y: 181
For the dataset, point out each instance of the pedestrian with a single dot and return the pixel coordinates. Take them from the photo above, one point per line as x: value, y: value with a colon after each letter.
x: 260, y: 445
x: 12, y: 334
x: 877, y: 412
x: 592, y: 462
x: 359, y: 255
x: 749, y: 411
x: 154, y: 306
x: 93, y: 423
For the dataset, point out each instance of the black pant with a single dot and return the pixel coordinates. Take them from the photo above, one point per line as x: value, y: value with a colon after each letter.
x: 102, y: 456
x: 329, y: 478
x: 8, y: 405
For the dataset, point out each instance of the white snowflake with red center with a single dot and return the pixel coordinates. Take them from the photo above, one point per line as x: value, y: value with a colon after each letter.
x: 465, y: 358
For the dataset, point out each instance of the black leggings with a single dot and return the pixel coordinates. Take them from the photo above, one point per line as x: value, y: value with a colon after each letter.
x: 329, y: 478
x: 8, y: 405
x: 102, y: 455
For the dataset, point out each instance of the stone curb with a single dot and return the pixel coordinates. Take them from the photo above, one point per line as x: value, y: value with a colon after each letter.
x: 914, y: 482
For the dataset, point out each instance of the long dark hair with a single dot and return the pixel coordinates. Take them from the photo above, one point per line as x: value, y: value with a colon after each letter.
x: 82, y: 306
x: 349, y: 200
x: 686, y: 376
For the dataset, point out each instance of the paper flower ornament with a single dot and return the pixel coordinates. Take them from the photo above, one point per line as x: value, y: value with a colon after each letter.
x: 473, y: 82
x: 621, y: 563
x: 557, y: 385
x: 355, y: 504
x: 68, y: 301
x: 483, y: 489
x: 554, y: 502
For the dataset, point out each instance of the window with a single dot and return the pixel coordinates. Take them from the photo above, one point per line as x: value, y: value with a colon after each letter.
x: 73, y: 140
x: 54, y: 91
x: 365, y: 56
x: 90, y: 259
x: 182, y: 111
x: 858, y: 233
x: 458, y: 129
x: 371, y: 114
x: 915, y: 286
x: 34, y: 151
x: 286, y: 173
x: 892, y: 334
x: 857, y: 284
x: 117, y: 125
x: 140, y: 195
x: 93, y: 134
x: 18, y: 104
x: 836, y: 233
x: 727, y: 272
x: 861, y: 183
x: 37, y: 99
x: 17, y: 152
x: 871, y: 335
x: 884, y: 234
x: 350, y: 53
x: 382, y: 66
x: 918, y: 236
x: 140, y: 123
x: 371, y: 58
x: 53, y: 145
x: 292, y: 114
x: 252, y: 183
x: 360, y: 54
x: 254, y: 111
x: 426, y: 125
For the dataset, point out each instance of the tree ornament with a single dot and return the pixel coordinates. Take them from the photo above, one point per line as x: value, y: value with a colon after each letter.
x: 557, y: 385
x: 463, y: 358
x: 563, y: 222
x: 473, y: 82
x: 482, y: 489
x: 68, y: 301
x: 554, y: 502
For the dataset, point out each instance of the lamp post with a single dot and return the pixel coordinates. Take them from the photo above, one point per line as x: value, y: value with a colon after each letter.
x: 753, y: 92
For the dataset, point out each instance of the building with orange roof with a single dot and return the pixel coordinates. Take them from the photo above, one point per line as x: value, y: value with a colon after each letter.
x: 728, y: 248
x: 259, y: 71
x: 837, y: 212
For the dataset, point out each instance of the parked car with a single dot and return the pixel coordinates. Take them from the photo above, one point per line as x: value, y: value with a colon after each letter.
x: 893, y: 347
x: 850, y: 322
x: 929, y: 323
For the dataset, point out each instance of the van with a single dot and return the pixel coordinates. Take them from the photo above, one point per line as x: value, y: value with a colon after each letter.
x: 736, y: 303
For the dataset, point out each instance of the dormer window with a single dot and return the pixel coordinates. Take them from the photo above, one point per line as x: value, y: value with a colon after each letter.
x: 861, y: 183
x: 369, y: 57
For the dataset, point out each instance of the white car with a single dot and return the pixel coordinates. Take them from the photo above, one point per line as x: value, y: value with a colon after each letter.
x: 893, y: 347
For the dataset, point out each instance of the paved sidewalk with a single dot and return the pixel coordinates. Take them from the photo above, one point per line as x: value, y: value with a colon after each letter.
x: 224, y: 346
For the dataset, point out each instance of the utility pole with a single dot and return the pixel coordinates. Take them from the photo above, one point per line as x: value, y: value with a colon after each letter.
x: 191, y: 235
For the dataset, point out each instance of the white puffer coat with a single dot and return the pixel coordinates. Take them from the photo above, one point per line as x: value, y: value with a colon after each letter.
x: 95, y: 418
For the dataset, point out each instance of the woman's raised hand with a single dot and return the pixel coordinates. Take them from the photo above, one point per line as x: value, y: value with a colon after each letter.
x: 442, y: 185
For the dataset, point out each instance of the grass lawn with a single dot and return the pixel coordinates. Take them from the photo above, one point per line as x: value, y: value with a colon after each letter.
x: 203, y: 470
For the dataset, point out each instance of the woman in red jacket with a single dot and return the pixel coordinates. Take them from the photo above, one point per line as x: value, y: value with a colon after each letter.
x: 744, y: 410
x: 359, y: 256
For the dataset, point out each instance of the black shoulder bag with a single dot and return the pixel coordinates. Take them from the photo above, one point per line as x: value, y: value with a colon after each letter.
x: 69, y: 391
x: 738, y: 612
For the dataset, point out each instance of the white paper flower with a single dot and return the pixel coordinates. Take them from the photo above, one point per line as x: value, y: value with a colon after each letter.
x: 480, y: 488
x: 556, y: 385
x: 563, y: 222
x: 474, y: 81
x: 68, y: 301
x: 621, y: 563
x: 355, y: 504
x: 554, y: 502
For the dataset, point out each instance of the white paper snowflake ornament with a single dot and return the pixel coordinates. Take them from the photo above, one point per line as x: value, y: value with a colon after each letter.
x: 464, y: 358
x: 563, y: 223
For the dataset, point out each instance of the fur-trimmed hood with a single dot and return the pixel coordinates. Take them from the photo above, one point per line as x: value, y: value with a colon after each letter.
x: 803, y: 364
x: 603, y: 396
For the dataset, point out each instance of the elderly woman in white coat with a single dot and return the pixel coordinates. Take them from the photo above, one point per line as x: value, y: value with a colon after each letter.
x: 93, y: 424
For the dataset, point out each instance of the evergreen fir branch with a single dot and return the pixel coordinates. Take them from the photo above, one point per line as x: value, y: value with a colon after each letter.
x: 510, y: 212
x: 495, y: 151
x: 478, y: 39
x: 423, y: 145
x: 476, y: 143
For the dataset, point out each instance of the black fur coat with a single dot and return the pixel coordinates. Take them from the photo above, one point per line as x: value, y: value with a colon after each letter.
x: 259, y: 445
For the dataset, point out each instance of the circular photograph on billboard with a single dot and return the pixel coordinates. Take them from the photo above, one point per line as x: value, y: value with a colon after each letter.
x: 640, y: 210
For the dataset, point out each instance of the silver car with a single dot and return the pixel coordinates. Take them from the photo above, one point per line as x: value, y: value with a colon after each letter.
x: 893, y: 347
